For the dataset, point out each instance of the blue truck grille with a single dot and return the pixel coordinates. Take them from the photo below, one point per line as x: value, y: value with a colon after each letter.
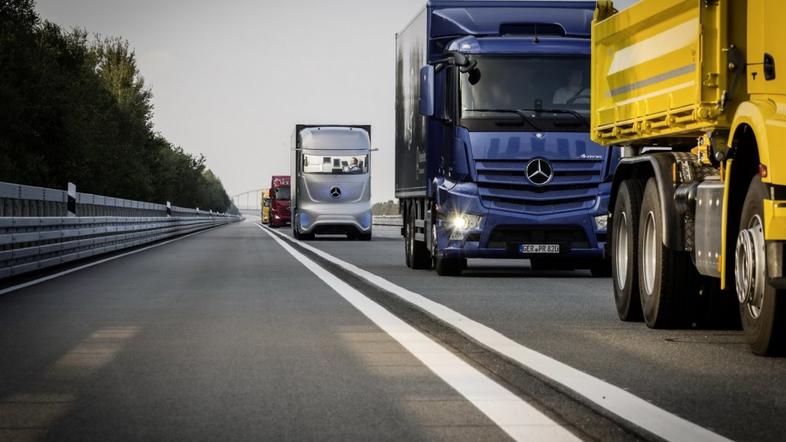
x: 503, y: 185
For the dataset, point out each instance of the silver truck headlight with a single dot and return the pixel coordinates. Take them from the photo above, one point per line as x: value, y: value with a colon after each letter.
x: 602, y: 222
x: 461, y: 221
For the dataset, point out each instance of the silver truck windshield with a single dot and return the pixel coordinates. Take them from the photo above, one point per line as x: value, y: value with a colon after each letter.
x: 335, y: 165
x: 537, y: 93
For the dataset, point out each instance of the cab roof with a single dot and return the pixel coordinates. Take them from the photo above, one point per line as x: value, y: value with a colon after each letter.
x: 455, y: 18
x: 334, y: 138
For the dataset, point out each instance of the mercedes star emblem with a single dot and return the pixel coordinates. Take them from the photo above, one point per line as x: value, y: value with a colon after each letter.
x: 539, y: 172
x: 335, y: 192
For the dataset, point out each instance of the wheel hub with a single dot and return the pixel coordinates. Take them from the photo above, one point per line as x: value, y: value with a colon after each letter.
x: 434, y: 248
x: 750, y: 267
x: 649, y: 254
x: 621, y: 253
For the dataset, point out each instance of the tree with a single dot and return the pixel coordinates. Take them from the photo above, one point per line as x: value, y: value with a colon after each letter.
x: 79, y: 110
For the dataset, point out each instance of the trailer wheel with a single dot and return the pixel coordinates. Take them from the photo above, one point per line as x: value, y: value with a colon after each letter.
x: 624, y: 240
x: 407, y: 242
x: 667, y: 279
x: 416, y: 254
x: 762, y: 307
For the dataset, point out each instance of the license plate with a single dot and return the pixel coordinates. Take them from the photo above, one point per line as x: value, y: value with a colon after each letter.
x: 540, y: 249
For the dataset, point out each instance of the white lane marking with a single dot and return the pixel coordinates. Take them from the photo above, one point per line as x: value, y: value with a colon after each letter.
x: 512, y: 414
x: 614, y: 399
x: 14, y: 288
x: 678, y: 37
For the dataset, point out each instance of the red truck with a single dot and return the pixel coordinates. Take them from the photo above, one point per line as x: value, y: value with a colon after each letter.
x: 279, y: 201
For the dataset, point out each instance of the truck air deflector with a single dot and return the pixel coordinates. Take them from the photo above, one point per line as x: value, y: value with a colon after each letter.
x: 524, y: 46
x: 454, y: 19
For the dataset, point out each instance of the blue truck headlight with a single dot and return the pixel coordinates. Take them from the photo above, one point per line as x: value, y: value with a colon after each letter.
x: 461, y: 221
x: 366, y: 219
x: 601, y: 222
x: 305, y: 220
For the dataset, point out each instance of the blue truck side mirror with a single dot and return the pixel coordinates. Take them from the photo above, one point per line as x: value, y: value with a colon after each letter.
x: 426, y: 100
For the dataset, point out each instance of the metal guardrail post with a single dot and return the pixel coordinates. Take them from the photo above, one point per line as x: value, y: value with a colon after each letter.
x: 71, y: 204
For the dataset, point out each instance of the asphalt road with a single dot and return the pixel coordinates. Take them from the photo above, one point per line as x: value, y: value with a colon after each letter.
x: 220, y: 336
x: 706, y: 376
x: 227, y: 336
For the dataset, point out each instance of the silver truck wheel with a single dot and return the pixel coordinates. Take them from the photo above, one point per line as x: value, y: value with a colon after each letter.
x: 668, y: 282
x: 762, y: 307
x: 624, y: 239
x: 623, y: 234
x: 649, y: 253
x: 750, y: 267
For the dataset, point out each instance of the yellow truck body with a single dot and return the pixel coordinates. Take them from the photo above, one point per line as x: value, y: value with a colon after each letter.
x: 707, y: 80
x: 664, y: 72
x: 659, y: 69
x: 265, y: 203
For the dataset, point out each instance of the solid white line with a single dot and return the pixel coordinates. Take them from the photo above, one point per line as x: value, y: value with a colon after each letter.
x: 512, y: 414
x: 614, y: 399
x: 14, y: 288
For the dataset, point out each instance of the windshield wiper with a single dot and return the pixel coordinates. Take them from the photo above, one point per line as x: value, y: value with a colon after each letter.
x: 560, y: 111
x: 519, y: 112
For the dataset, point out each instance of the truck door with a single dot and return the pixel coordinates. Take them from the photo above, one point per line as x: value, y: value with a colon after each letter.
x: 766, y: 50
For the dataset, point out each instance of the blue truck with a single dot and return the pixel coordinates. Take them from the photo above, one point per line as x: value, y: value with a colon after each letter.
x: 493, y: 153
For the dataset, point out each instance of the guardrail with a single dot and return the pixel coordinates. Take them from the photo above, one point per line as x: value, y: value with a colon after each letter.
x: 41, y: 227
x: 388, y: 220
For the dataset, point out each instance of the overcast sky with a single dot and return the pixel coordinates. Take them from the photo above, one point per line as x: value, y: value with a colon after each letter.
x: 231, y: 79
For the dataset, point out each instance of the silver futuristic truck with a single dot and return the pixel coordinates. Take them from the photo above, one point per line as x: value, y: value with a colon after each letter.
x: 331, y: 181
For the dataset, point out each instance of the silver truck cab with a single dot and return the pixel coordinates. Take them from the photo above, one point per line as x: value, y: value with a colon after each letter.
x: 331, y: 181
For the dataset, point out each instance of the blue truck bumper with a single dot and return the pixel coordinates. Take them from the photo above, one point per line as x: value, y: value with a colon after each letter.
x: 501, y: 234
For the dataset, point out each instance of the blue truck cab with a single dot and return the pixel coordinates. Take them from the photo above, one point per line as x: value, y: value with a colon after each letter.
x: 493, y: 153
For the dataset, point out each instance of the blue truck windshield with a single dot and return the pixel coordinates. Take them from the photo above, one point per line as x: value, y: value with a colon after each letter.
x: 526, y: 94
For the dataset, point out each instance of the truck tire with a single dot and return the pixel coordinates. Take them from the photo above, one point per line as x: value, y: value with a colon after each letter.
x: 667, y: 278
x: 415, y: 252
x: 601, y: 269
x: 444, y: 266
x: 624, y: 243
x: 304, y: 236
x: 449, y: 266
x: 762, y: 307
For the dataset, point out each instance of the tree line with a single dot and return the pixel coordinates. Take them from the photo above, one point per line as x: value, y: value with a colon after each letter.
x: 385, y: 208
x: 75, y: 108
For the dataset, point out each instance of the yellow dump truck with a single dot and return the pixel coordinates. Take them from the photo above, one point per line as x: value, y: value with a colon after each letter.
x: 265, y: 204
x: 695, y: 93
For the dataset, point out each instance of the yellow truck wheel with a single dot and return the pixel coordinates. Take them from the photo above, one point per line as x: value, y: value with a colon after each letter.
x: 667, y: 279
x: 762, y: 307
x: 624, y: 243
